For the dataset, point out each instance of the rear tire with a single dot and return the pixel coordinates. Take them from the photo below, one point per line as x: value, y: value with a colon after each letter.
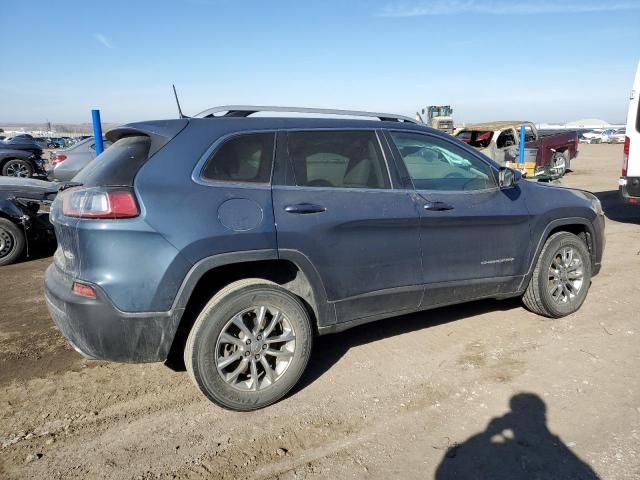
x: 561, y: 278
x: 12, y: 242
x: 17, y: 168
x: 250, y: 345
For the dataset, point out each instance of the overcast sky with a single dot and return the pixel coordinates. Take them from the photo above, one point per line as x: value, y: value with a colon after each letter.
x: 546, y: 61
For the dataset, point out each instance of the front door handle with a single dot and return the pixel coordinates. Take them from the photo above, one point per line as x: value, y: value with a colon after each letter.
x: 437, y: 206
x: 304, y: 208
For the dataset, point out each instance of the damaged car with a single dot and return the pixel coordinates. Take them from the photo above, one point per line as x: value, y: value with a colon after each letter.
x: 21, y: 157
x: 24, y: 216
x: 551, y: 153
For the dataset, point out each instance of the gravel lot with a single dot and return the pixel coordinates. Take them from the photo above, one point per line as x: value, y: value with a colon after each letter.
x: 482, y: 390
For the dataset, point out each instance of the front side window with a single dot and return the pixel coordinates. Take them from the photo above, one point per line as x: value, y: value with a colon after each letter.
x: 337, y: 159
x: 436, y: 164
x: 242, y: 158
x: 506, y: 139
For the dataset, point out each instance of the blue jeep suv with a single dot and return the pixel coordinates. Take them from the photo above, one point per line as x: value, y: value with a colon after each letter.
x: 233, y: 239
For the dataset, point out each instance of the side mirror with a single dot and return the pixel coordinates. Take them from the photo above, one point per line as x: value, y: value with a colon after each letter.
x: 508, y: 177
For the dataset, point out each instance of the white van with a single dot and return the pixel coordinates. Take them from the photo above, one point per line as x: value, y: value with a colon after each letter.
x: 630, y: 180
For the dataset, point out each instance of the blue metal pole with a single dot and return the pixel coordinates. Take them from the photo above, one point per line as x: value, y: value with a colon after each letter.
x: 97, y: 131
x: 521, y: 145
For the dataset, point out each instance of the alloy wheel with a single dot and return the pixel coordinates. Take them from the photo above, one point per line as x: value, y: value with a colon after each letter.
x: 566, y: 275
x: 17, y: 169
x: 255, y: 348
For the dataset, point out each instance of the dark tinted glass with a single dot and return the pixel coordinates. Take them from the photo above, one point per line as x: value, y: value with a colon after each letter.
x: 337, y: 159
x: 244, y: 158
x: 436, y: 164
x: 505, y: 139
x: 118, y: 164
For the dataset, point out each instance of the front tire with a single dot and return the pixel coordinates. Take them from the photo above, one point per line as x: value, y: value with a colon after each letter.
x: 250, y: 345
x: 559, y: 164
x: 12, y: 242
x: 561, y: 278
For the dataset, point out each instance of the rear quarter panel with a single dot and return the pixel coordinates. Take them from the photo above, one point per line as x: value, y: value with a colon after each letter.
x: 188, y: 213
x: 138, y: 269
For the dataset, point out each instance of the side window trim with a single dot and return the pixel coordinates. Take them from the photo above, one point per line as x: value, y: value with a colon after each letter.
x: 376, y: 132
x: 196, y: 175
x: 469, y: 150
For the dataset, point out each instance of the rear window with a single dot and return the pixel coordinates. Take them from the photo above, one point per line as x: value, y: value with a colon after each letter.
x: 477, y: 139
x: 118, y: 165
x: 243, y: 158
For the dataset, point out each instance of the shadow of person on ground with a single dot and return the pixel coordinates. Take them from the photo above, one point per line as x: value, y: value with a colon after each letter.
x: 517, y: 445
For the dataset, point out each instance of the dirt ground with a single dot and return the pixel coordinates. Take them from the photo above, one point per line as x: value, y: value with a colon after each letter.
x: 483, y: 390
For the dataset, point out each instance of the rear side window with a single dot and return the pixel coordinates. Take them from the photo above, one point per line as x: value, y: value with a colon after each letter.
x: 118, y: 164
x: 337, y: 159
x: 242, y: 158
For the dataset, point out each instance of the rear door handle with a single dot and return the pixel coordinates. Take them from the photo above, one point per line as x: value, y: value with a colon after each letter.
x: 437, y: 206
x: 304, y: 208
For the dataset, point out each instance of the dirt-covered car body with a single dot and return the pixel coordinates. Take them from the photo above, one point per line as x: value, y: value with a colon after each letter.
x: 24, y: 215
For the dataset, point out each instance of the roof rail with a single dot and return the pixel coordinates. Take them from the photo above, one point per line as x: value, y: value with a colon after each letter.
x: 246, y: 110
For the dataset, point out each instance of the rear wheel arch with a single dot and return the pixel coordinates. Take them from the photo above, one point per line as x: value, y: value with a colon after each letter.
x: 283, y: 272
x: 6, y: 159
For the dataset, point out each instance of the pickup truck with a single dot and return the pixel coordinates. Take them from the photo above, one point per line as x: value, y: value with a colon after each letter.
x: 500, y: 141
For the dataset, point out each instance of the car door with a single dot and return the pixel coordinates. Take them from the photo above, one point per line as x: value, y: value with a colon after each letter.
x: 474, y: 236
x: 336, y: 208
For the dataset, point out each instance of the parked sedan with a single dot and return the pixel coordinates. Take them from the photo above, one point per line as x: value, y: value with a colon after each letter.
x: 24, y: 215
x: 66, y: 163
x: 617, y: 136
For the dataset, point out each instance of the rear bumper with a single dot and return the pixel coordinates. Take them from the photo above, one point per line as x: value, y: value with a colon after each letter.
x: 630, y: 189
x: 98, y: 330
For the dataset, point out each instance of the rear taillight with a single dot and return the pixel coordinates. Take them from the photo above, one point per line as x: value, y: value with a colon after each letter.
x: 58, y: 157
x: 83, y: 290
x: 99, y: 203
x: 625, y: 156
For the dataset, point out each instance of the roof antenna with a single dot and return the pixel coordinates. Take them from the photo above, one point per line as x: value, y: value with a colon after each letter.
x: 180, y: 114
